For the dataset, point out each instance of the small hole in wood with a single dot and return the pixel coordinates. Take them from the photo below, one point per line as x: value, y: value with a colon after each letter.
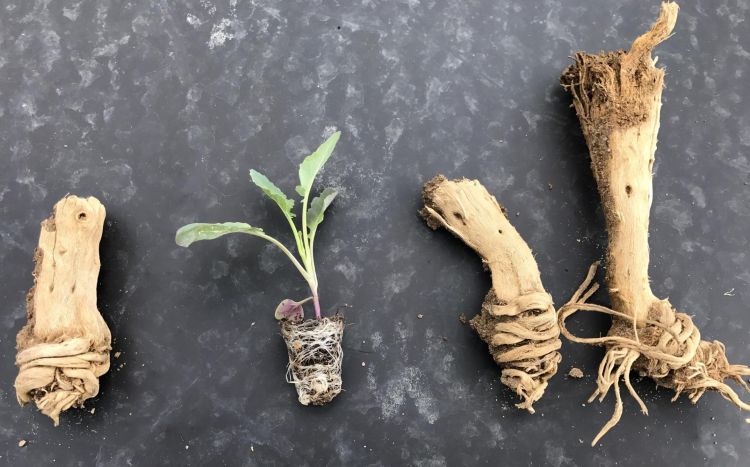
x: 499, y: 231
x: 458, y: 215
x: 628, y: 189
x: 82, y: 216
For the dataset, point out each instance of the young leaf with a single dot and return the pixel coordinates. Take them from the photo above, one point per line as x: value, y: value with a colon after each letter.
x: 273, y: 192
x: 318, y: 206
x: 190, y: 233
x: 290, y: 310
x: 312, y: 164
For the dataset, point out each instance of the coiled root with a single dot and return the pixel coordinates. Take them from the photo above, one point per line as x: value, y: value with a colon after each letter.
x: 60, y: 376
x: 666, y: 347
x: 523, y: 338
x: 315, y: 356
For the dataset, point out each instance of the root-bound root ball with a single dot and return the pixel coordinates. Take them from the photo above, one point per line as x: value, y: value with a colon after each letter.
x: 64, y: 347
x: 617, y: 96
x: 315, y: 356
x: 517, y: 321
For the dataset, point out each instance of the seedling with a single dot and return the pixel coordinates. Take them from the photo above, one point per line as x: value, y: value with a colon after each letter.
x: 315, y: 345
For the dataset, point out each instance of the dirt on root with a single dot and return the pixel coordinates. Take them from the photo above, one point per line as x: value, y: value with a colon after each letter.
x: 315, y: 357
x: 576, y: 373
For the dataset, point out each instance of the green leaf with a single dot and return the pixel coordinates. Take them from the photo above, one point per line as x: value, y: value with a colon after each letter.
x: 273, y: 192
x: 312, y: 164
x: 318, y: 206
x: 190, y: 233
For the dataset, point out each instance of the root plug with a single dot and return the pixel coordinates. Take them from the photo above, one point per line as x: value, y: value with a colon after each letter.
x: 315, y: 357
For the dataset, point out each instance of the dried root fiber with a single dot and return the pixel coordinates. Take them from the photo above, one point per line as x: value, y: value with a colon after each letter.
x: 64, y: 347
x: 617, y: 96
x: 315, y: 356
x: 518, y: 320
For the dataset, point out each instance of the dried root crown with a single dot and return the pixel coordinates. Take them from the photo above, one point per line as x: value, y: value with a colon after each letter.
x: 617, y: 88
x: 64, y: 347
x: 315, y: 356
x: 518, y: 320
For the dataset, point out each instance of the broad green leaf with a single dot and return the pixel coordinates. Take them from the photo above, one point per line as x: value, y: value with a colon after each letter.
x: 190, y: 233
x: 318, y: 206
x: 273, y: 192
x: 312, y: 164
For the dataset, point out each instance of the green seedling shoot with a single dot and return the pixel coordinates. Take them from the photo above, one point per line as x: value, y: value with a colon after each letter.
x: 304, y: 238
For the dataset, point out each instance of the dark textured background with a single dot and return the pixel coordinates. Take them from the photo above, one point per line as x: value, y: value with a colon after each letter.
x: 159, y: 108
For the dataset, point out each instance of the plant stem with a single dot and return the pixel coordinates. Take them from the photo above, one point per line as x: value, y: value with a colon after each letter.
x: 313, y: 284
x: 311, y: 256
x: 305, y: 240
x: 618, y: 101
x: 316, y: 304
x: 309, y: 259
x: 297, y: 239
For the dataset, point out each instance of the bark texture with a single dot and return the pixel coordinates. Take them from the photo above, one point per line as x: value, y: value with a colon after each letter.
x: 64, y: 347
x: 617, y: 96
x: 518, y: 320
